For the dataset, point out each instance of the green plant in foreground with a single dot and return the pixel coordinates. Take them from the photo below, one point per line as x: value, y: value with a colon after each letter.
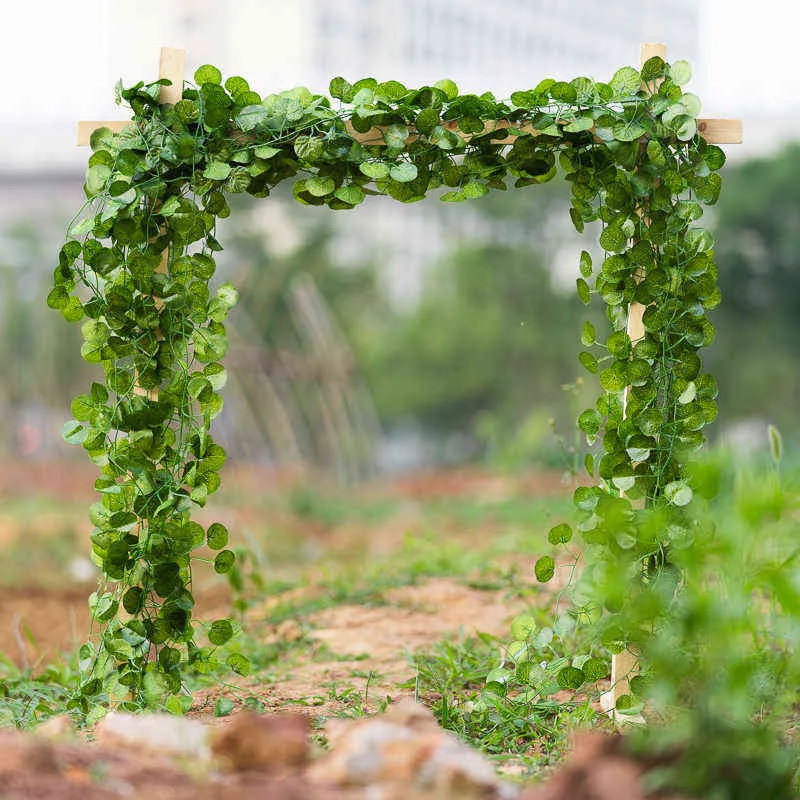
x: 717, y: 633
x: 137, y: 267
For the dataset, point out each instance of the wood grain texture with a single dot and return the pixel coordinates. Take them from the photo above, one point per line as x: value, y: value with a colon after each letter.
x: 171, y: 63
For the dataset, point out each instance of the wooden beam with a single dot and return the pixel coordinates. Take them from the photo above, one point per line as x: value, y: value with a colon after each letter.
x: 720, y: 131
x: 171, y: 64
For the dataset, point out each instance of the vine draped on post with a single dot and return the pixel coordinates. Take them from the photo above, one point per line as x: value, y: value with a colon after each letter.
x: 139, y: 260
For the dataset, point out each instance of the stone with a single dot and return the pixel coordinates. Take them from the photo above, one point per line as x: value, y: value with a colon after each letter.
x: 20, y: 754
x: 262, y: 741
x: 161, y: 734
x: 56, y: 729
x: 407, y: 755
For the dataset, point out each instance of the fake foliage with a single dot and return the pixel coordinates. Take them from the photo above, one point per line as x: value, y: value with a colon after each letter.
x: 137, y: 267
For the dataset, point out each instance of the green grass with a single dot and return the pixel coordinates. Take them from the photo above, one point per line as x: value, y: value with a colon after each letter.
x: 28, y: 698
x: 468, y: 540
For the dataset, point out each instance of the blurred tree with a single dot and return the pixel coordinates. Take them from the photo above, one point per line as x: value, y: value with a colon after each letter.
x: 42, y: 366
x: 490, y: 337
x: 294, y: 365
x: 757, y: 351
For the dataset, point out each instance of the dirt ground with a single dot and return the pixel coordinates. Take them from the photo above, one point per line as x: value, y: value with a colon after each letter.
x: 360, y: 651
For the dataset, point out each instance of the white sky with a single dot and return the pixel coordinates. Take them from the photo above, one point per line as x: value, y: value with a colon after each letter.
x: 58, y: 63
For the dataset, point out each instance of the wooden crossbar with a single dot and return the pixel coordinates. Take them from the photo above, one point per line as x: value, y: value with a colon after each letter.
x: 171, y: 65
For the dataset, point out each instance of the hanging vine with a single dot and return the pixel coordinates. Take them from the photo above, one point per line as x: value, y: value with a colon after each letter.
x: 138, y: 263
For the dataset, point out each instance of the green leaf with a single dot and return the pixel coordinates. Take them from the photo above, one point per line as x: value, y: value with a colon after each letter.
x: 563, y: 92
x: 237, y: 85
x: 404, y: 172
x: 544, y: 569
x: 614, y: 378
x: 395, y: 136
x: 584, y: 123
x: 588, y: 334
x: 626, y: 81
x: 239, y: 664
x: 560, y: 534
x: 73, y: 432
x: 688, y: 394
x: 628, y: 131
x: 595, y: 669
x: 82, y: 408
x: 352, y: 195
x: 207, y: 74
x: 223, y: 706
x: 588, y: 361
x: 612, y: 239
x: 687, y: 129
x: 391, y: 90
x: 678, y: 493
x: 224, y: 561
x: 341, y: 90
x: 585, y: 264
x: 374, y: 169
x: 427, y: 120
x: 96, y: 179
x: 590, y: 421
x: 309, y: 148
x: 585, y: 498
x: 448, y: 87
x: 775, y: 444
x: 714, y: 157
x: 250, y: 117
x: 72, y: 309
x: 82, y: 227
x: 474, y: 189
x: 220, y: 632
x: 217, y: 171
x: 653, y: 68
x: 680, y: 72
x: 320, y: 186
x: 624, y: 482
x: 522, y: 627
x: 584, y: 293
x: 570, y: 678
x: 266, y: 151
x: 217, y: 536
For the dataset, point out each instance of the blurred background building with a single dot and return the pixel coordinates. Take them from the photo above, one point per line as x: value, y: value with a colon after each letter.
x: 448, y: 356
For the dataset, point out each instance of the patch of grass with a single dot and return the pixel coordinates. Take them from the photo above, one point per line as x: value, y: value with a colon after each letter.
x: 531, y: 735
x: 28, y: 698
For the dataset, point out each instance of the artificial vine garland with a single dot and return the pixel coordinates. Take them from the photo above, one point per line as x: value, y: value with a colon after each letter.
x: 138, y: 262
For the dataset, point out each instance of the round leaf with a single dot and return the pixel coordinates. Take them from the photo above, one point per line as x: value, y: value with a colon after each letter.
x: 217, y: 536
x: 207, y: 74
x: 544, y: 569
x: 320, y: 186
x: 570, y: 678
x: 679, y: 493
x: 448, y: 87
x: 403, y: 172
x: 224, y: 561
x: 220, y: 631
x: 680, y: 72
x: 560, y: 534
